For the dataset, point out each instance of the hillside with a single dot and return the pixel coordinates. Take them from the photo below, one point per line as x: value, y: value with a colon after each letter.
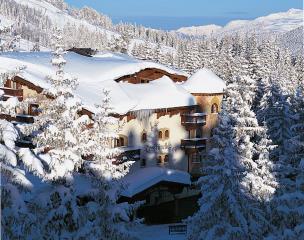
x: 293, y: 40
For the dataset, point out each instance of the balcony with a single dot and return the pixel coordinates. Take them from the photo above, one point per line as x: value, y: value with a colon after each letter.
x: 10, y: 92
x: 128, y: 154
x: 193, y: 120
x: 193, y: 145
x: 25, y: 144
x: 17, y: 118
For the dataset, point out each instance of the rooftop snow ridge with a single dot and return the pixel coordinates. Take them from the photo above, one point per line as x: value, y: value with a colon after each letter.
x: 204, y: 81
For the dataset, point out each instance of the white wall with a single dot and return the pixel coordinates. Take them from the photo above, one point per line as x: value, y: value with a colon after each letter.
x: 134, y: 129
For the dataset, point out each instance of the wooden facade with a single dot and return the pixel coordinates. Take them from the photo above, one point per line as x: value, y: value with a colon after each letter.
x: 150, y: 74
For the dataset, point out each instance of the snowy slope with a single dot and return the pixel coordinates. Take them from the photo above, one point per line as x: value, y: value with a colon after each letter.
x: 59, y: 17
x: 278, y: 23
x: 206, y: 30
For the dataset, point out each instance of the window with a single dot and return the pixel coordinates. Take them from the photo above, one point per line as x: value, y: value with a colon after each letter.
x: 195, y: 158
x: 166, y: 159
x: 122, y: 141
x: 144, y: 81
x: 143, y: 163
x: 14, y: 85
x: 167, y: 134
x: 160, y: 135
x: 144, y: 137
x: 159, y: 160
x: 33, y: 109
x: 163, y: 134
x: 214, y: 108
x: 198, y: 133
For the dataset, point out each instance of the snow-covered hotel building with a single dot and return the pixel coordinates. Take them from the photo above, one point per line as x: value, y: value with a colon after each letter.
x: 167, y: 117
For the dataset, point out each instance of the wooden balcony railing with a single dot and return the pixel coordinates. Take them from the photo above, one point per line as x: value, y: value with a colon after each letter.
x: 10, y: 92
x: 193, y: 120
x: 193, y: 144
x: 17, y: 118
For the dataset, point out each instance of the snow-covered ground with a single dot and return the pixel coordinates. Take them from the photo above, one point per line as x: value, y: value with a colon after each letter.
x: 157, y: 232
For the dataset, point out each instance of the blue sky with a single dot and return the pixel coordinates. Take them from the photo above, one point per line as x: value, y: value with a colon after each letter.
x: 170, y: 14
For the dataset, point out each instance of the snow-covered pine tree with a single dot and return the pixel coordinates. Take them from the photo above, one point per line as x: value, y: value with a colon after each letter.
x: 147, y: 51
x: 105, y: 171
x: 285, y: 72
x: 287, y: 206
x: 36, y: 47
x: 151, y: 143
x: 208, y: 53
x: 56, y: 123
x: 268, y: 56
x: 299, y: 67
x: 15, y: 221
x: 252, y: 54
x: 98, y: 145
x: 224, y: 63
x: 251, y: 139
x: 276, y: 111
x: 69, y: 210
x: 229, y: 209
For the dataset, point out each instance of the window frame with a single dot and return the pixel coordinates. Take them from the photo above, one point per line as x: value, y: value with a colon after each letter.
x: 216, y: 107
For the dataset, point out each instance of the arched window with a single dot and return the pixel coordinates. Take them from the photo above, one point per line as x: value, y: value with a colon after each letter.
x: 159, y: 160
x: 166, y: 159
x: 122, y: 141
x: 144, y: 137
x: 160, y: 135
x: 214, y: 108
x: 167, y: 134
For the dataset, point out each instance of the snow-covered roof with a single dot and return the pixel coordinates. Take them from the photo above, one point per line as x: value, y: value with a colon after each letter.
x: 96, y: 73
x: 168, y: 94
x: 147, y: 177
x: 204, y: 81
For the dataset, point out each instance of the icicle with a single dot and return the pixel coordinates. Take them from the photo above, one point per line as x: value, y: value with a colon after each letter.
x: 143, y: 115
